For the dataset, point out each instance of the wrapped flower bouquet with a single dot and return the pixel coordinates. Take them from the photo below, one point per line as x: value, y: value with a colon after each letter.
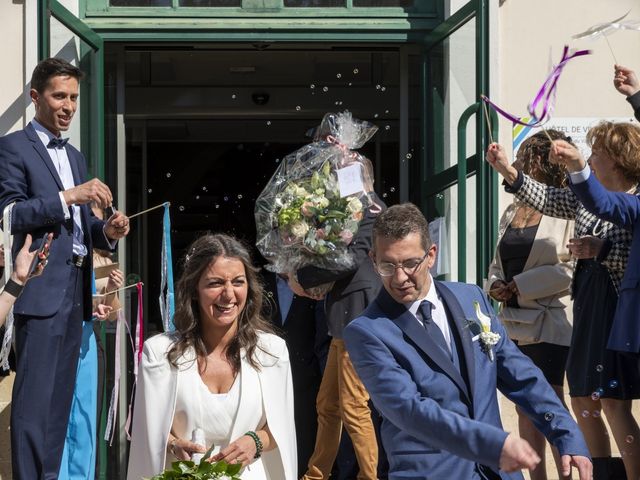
x: 309, y: 211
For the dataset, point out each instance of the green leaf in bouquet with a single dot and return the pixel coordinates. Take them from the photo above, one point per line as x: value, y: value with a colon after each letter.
x: 326, y: 169
x: 220, y: 467
x: 183, y: 466
x: 208, y: 453
x: 234, y: 469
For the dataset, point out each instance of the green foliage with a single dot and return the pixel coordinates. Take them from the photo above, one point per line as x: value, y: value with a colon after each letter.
x: 187, y: 470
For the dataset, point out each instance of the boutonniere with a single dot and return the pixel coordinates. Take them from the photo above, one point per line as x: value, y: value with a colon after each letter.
x: 482, y: 325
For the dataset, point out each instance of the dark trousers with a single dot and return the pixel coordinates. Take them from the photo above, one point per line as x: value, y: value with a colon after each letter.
x: 47, y: 358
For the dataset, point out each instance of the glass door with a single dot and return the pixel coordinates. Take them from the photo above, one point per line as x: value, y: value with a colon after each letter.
x: 456, y: 184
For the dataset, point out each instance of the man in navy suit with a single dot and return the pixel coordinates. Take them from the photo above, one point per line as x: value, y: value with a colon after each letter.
x: 432, y: 355
x: 45, y: 180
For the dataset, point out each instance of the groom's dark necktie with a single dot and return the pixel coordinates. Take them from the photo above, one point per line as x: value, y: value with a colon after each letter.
x: 433, y: 330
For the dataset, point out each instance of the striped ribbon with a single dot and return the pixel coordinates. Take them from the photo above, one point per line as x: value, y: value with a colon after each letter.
x: 137, y: 342
x: 167, y: 302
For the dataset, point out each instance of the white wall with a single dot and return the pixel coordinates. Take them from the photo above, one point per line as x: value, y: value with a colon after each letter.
x: 531, y: 37
x: 12, y: 82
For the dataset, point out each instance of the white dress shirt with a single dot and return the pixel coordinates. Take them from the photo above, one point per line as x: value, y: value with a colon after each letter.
x: 60, y: 160
x: 438, y: 314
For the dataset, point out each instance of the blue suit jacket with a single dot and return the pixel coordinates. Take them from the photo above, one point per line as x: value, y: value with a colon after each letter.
x: 622, y: 209
x: 29, y: 177
x: 437, y: 422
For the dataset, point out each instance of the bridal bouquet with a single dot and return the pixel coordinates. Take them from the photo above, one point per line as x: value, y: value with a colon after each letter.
x: 309, y: 211
x: 183, y: 470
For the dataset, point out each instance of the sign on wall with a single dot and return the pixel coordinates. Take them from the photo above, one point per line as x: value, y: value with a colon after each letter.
x: 574, y: 127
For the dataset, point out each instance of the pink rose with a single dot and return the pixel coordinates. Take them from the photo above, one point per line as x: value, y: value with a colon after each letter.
x: 306, y: 209
x: 346, y: 236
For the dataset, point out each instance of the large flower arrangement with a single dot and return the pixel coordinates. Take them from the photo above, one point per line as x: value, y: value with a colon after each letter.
x: 307, y: 214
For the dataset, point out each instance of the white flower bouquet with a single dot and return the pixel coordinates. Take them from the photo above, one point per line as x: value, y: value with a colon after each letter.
x: 310, y: 210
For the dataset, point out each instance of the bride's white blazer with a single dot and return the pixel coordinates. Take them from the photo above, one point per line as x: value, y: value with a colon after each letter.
x: 156, y: 398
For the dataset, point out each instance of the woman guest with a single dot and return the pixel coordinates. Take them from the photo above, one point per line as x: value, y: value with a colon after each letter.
x: 20, y: 275
x: 531, y: 275
x: 221, y: 374
x: 599, y: 379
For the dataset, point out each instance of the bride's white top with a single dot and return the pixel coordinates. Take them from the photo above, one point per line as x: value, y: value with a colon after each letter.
x: 264, y: 396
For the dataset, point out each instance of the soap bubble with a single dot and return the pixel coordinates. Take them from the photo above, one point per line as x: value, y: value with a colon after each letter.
x: 548, y: 416
x: 382, y: 89
x: 339, y: 75
x: 298, y: 108
x: 150, y: 190
x: 596, y: 414
x: 268, y: 122
x: 599, y: 368
x: 312, y: 86
x: 629, y: 439
x: 585, y: 414
x: 355, y: 71
x: 387, y: 127
x: 233, y: 96
x: 613, y: 384
x: 239, y: 196
x: 392, y: 189
x: 168, y: 174
x: 409, y: 155
x: 181, y: 208
x: 377, y: 87
x: 325, y: 89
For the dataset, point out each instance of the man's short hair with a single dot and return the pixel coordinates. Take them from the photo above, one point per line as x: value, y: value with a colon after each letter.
x: 398, y: 221
x: 52, y: 67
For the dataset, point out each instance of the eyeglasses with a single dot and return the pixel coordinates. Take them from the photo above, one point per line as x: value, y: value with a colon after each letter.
x: 386, y: 269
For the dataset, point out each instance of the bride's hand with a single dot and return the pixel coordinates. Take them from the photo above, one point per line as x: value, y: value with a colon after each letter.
x: 243, y: 450
x: 183, y: 449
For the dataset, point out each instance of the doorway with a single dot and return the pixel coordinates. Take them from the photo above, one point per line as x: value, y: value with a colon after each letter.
x: 207, y: 125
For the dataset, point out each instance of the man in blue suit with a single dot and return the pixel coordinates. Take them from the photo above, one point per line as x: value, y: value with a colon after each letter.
x: 432, y: 356
x: 45, y: 180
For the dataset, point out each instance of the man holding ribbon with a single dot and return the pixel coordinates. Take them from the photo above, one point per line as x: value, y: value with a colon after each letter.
x: 44, y: 189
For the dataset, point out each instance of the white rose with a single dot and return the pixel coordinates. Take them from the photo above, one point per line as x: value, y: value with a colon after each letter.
x: 354, y: 205
x: 299, y: 229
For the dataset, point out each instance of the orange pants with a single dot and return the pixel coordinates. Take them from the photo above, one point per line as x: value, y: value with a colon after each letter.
x: 342, y: 398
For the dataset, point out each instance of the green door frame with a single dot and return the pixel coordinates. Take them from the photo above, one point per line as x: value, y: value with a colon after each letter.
x: 440, y: 180
x: 93, y: 133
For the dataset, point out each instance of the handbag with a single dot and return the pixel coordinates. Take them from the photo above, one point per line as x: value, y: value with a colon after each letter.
x: 524, y: 324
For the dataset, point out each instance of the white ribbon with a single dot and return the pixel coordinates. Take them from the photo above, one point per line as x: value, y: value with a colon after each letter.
x: 8, y: 268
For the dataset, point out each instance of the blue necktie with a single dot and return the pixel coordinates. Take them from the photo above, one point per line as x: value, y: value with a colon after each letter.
x: 433, y: 330
x: 57, y: 142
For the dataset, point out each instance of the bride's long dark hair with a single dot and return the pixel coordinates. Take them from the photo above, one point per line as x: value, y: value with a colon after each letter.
x: 199, y: 256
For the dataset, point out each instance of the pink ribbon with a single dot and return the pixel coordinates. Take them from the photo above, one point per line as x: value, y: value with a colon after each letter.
x: 546, y: 94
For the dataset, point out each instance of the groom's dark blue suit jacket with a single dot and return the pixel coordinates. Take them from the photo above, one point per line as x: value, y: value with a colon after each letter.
x: 29, y: 178
x: 440, y: 422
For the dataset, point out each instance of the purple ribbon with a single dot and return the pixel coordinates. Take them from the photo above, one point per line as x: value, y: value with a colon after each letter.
x: 546, y: 94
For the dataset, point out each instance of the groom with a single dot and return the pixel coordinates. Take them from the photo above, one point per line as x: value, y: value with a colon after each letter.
x: 433, y: 376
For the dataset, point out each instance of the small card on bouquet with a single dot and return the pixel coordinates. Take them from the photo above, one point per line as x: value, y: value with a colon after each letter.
x: 350, y: 180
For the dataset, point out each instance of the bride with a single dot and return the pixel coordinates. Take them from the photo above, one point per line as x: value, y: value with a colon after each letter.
x: 221, y: 374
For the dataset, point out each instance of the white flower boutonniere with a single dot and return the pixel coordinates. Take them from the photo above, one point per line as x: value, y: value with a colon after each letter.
x: 488, y: 339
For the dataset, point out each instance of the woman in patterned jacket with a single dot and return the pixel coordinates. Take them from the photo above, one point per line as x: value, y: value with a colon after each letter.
x: 599, y: 379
